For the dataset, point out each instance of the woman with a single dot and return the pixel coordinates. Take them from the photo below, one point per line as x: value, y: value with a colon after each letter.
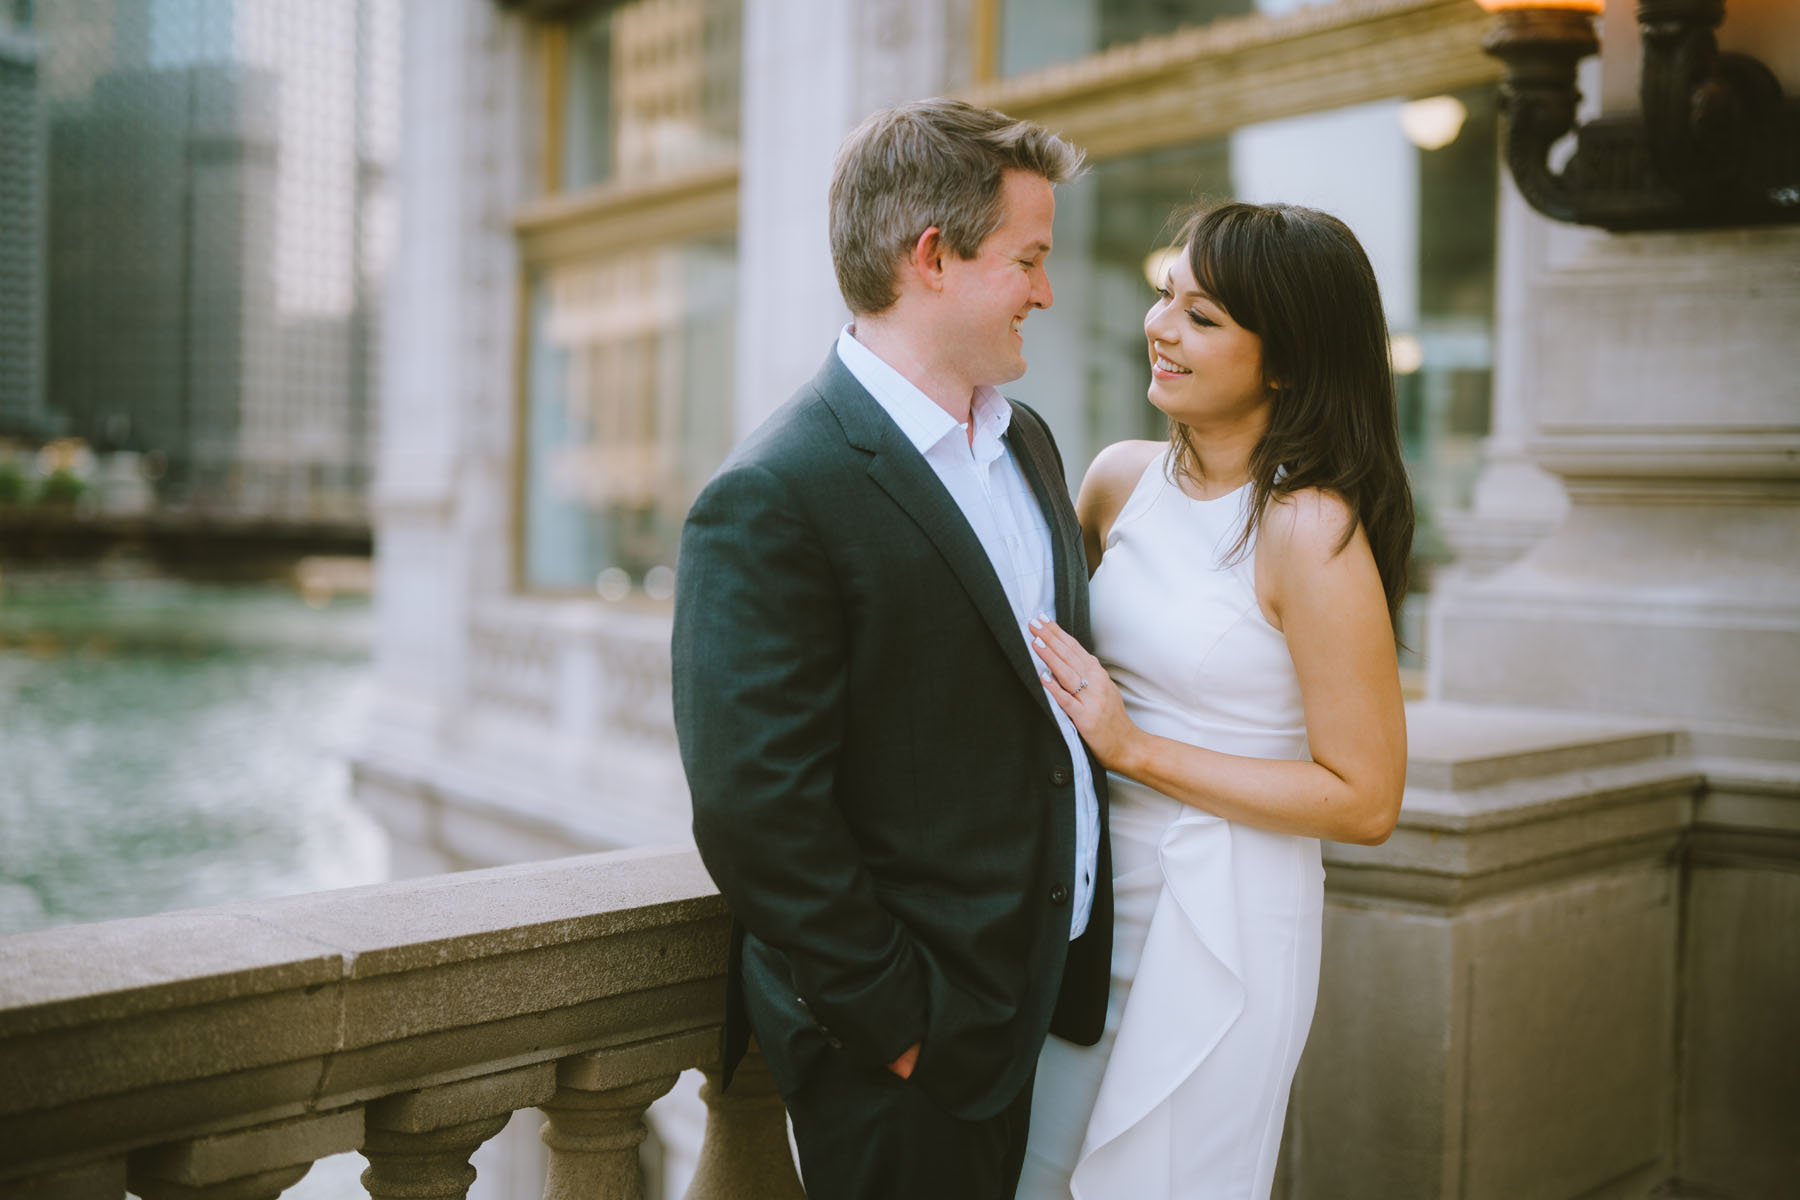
x: 1246, y: 700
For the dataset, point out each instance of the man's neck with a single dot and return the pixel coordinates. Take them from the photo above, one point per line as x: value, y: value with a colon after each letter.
x: 905, y: 349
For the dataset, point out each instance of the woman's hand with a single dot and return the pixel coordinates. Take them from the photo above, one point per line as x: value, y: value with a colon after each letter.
x: 1076, y: 681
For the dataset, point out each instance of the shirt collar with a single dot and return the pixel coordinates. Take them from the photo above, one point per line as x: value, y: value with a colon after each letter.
x: 919, y: 417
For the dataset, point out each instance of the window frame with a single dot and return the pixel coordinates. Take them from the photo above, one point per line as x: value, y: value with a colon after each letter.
x: 1166, y: 90
x: 559, y: 225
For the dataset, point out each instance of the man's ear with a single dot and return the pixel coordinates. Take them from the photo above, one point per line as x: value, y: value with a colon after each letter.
x: 926, y: 261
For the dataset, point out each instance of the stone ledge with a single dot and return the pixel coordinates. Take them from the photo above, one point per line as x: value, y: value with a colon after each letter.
x: 127, y: 1035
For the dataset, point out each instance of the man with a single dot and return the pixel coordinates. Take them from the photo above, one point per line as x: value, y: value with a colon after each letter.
x: 906, y: 829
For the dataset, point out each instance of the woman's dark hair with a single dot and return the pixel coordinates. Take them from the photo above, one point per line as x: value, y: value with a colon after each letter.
x: 1299, y: 280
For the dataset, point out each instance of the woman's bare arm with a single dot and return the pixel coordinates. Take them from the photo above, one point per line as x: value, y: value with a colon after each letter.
x: 1331, y: 607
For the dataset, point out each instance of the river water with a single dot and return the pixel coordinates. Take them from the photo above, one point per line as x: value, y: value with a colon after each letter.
x: 167, y: 745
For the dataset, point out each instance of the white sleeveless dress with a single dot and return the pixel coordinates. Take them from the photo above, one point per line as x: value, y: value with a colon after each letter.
x: 1215, y: 964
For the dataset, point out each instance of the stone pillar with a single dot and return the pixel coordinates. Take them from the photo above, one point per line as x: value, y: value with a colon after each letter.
x: 1664, y: 370
x: 746, y: 1154
x: 811, y: 73
x: 442, y: 483
x: 594, y: 1138
x: 1516, y: 502
x: 245, y: 1164
x: 596, y: 1117
x: 1498, y: 996
x: 1661, y: 369
x: 418, y: 1143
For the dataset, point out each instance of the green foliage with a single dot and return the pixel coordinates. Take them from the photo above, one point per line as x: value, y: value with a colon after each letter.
x: 61, y: 487
x: 13, y: 486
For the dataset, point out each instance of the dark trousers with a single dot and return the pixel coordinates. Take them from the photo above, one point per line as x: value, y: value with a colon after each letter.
x: 866, y: 1134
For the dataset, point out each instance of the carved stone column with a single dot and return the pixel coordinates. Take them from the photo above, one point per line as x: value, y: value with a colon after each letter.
x: 1500, y: 982
x: 597, y: 1115
x: 746, y: 1154
x: 258, y: 1163
x: 418, y: 1144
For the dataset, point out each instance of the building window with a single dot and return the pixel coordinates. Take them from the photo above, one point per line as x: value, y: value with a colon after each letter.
x: 652, y: 90
x: 628, y: 411
x: 631, y: 285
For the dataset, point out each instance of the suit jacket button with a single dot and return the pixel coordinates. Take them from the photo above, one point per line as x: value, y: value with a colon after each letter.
x: 1059, y: 777
x: 1059, y: 893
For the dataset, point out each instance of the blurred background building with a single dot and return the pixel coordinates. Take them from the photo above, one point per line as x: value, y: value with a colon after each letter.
x: 21, y: 227
x: 198, y: 218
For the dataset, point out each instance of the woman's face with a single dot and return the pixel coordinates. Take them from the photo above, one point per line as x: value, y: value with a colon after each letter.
x: 1205, y: 368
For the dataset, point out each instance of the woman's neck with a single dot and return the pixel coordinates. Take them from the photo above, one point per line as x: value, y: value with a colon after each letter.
x: 1219, y: 459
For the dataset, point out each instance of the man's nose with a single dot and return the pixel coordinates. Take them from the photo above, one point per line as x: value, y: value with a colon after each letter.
x: 1041, y: 295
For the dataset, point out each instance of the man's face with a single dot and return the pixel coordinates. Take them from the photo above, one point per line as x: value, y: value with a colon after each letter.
x: 989, y: 296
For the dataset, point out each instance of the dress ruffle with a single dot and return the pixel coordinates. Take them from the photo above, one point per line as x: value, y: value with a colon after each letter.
x: 1188, y: 993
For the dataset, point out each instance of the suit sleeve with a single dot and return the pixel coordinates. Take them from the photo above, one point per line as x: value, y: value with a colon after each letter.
x: 760, y: 669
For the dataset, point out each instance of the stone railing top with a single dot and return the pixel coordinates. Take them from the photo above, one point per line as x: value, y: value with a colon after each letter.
x: 76, y: 974
x: 123, y: 1035
x: 1460, y: 746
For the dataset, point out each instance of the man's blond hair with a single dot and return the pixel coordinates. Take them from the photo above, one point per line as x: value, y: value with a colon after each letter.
x: 930, y: 162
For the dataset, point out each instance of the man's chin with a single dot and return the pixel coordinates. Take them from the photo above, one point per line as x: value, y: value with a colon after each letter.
x: 1007, y: 373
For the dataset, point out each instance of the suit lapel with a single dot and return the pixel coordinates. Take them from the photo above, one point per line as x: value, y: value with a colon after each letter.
x: 1038, y: 462
x: 897, y: 467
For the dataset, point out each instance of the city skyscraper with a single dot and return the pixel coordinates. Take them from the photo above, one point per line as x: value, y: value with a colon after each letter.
x: 217, y: 184
x: 21, y: 229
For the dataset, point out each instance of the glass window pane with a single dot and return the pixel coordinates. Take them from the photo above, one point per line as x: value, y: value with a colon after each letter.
x: 1040, y: 33
x: 1416, y: 184
x: 628, y: 412
x: 652, y: 90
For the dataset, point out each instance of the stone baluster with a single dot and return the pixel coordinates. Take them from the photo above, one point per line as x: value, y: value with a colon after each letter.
x: 596, y: 1118
x: 103, y: 1180
x: 258, y: 1163
x: 745, y: 1155
x: 418, y: 1143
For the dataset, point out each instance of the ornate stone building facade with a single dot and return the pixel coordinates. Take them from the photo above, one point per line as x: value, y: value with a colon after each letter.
x: 1570, y: 970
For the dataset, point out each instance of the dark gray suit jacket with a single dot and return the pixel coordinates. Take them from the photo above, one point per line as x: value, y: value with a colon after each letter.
x: 879, y: 787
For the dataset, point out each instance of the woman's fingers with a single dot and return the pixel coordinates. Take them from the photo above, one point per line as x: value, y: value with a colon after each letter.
x: 1069, y: 669
x: 1064, y: 673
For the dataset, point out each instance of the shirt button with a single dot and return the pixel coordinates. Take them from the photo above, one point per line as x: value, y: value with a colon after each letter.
x: 1059, y: 893
x: 1059, y: 777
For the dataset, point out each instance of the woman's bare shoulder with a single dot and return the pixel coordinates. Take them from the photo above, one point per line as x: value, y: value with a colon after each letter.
x: 1111, y: 478
x: 1308, y: 526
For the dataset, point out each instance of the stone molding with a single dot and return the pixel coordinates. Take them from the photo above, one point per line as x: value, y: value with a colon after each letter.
x: 614, y: 217
x: 1205, y: 81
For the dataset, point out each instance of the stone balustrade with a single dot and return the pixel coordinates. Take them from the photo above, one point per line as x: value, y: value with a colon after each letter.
x: 1571, y: 972
x: 215, y: 1054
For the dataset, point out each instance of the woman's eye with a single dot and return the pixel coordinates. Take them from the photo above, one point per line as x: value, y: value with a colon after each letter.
x: 1199, y: 318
